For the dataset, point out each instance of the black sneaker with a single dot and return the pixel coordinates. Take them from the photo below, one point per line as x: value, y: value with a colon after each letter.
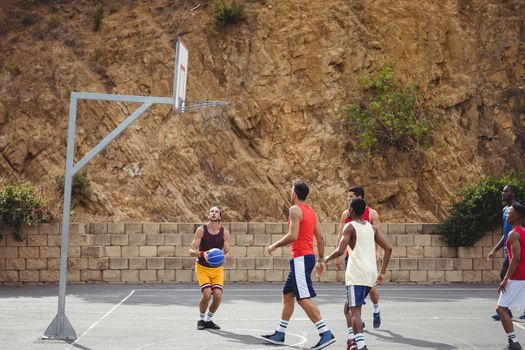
x: 201, y: 324
x: 514, y: 346
x: 211, y: 325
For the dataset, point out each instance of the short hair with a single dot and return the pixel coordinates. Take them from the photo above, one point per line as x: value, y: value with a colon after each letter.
x: 513, y: 189
x: 519, y: 209
x: 301, y: 189
x: 358, y: 190
x: 358, y: 205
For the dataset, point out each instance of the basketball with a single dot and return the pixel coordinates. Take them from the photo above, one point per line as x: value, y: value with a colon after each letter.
x: 215, y: 257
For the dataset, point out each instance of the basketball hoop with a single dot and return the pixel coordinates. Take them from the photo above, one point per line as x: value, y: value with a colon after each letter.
x: 211, y: 112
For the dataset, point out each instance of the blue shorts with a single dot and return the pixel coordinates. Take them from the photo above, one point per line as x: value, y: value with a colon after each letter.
x: 356, y: 295
x: 299, y: 280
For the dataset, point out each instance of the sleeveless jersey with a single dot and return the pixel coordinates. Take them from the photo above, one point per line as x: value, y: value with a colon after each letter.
x: 366, y: 217
x: 304, y: 244
x: 519, y: 274
x: 506, y: 227
x: 210, y: 241
x: 361, y: 269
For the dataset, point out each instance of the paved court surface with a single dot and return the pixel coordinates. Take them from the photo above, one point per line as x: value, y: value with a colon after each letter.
x: 153, y: 316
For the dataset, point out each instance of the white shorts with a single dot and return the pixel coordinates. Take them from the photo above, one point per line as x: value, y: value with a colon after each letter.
x: 514, y: 294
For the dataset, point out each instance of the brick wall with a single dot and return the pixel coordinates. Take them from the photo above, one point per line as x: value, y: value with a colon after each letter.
x: 158, y: 252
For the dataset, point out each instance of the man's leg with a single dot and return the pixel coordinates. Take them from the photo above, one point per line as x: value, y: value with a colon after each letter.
x: 203, y: 306
x: 502, y: 273
x: 287, y: 308
x: 216, y: 301
x: 313, y: 313
x: 508, y: 326
x: 374, y: 298
x: 357, y: 326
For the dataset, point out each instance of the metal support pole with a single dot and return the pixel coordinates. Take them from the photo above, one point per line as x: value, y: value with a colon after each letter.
x: 60, y: 327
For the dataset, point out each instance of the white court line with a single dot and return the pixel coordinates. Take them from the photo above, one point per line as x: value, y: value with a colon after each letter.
x: 100, y: 319
x: 318, y: 289
x: 302, y: 339
x: 518, y: 325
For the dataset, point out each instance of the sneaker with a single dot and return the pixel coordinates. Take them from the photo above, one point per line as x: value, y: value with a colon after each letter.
x: 495, y: 317
x: 514, y: 346
x: 275, y: 338
x: 351, y: 344
x: 522, y: 317
x: 327, y: 338
x: 201, y: 324
x: 377, y: 319
x: 211, y: 325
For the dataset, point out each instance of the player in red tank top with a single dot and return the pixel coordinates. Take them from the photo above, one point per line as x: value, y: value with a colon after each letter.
x: 512, y: 288
x: 302, y: 227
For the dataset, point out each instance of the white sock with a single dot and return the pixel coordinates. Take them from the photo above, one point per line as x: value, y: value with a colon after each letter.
x: 376, y: 308
x: 321, y: 326
x: 360, y: 340
x: 282, y: 326
x: 209, y: 316
x: 350, y: 332
x: 202, y: 317
x: 512, y: 337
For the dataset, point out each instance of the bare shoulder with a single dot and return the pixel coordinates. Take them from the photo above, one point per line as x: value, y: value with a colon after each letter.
x: 199, y: 231
x: 226, y: 231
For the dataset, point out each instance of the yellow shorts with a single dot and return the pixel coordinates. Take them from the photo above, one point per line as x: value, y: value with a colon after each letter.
x: 210, y: 277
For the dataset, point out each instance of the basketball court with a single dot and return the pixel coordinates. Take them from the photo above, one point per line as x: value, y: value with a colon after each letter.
x: 164, y: 316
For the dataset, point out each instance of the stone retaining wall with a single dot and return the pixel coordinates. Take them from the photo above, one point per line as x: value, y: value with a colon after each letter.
x: 158, y: 252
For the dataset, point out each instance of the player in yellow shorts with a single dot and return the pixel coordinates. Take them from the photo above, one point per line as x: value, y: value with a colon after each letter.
x: 211, y: 279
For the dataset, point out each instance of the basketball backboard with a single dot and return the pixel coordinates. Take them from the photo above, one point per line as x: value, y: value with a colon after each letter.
x: 180, y: 76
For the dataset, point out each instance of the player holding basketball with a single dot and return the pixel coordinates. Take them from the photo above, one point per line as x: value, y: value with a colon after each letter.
x: 302, y: 227
x: 512, y: 288
x: 361, y: 271
x: 211, y: 279
x: 371, y: 216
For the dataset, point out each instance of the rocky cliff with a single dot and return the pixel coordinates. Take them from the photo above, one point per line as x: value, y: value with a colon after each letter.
x: 286, y: 69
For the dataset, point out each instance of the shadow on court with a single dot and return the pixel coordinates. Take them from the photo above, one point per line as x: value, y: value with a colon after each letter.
x: 395, y: 338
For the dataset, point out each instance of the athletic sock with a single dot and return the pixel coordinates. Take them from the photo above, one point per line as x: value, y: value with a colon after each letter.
x: 360, y: 340
x: 209, y: 316
x: 282, y: 326
x: 512, y: 337
x: 202, y: 317
x: 351, y: 335
x: 321, y: 327
x: 376, y: 308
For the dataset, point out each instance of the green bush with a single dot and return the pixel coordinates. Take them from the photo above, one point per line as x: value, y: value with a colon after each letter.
x: 226, y: 15
x: 80, y: 188
x: 479, y: 212
x: 387, y: 114
x: 19, y: 205
x: 99, y: 13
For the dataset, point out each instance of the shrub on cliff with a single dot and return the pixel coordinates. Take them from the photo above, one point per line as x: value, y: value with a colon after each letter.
x: 80, y: 188
x: 19, y: 205
x: 387, y: 114
x: 226, y: 15
x: 479, y: 212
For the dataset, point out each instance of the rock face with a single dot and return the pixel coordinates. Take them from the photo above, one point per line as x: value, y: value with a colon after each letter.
x: 285, y: 70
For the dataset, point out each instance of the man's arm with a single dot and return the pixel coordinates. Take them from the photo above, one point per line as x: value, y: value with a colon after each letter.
x: 194, y: 247
x: 515, y: 247
x: 319, y: 238
x: 495, y: 249
x: 226, y: 244
x: 383, y: 243
x: 344, y: 215
x: 293, y: 230
x: 374, y: 220
x: 347, y: 233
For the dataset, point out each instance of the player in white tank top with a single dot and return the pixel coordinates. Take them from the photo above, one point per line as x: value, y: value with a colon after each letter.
x: 361, y: 272
x: 362, y: 268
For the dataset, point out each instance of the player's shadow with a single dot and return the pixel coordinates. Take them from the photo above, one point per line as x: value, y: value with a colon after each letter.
x: 238, y: 338
x: 392, y: 337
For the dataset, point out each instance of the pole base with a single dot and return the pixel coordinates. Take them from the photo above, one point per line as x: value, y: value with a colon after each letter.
x: 60, y: 328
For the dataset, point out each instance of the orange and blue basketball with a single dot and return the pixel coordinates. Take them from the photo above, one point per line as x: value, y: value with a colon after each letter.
x: 215, y: 257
